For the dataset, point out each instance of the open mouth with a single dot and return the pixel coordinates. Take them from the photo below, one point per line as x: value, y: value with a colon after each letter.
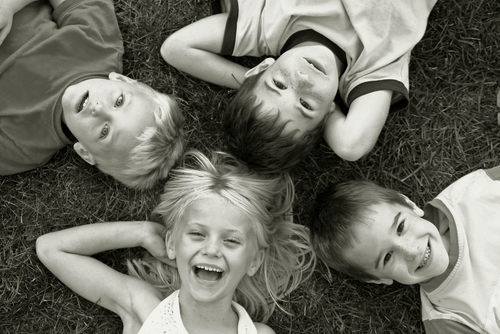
x: 208, y: 274
x: 317, y: 66
x: 427, y: 255
x: 83, y: 102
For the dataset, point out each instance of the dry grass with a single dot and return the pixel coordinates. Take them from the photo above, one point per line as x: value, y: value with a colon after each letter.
x: 450, y: 129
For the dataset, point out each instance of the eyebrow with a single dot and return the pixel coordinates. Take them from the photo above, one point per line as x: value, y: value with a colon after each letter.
x: 298, y: 107
x: 393, y: 226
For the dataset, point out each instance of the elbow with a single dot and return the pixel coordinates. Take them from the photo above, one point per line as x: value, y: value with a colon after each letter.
x: 172, y: 50
x: 351, y: 152
x: 43, y: 247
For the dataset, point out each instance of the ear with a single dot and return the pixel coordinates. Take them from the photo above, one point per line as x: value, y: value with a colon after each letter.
x: 169, y: 242
x: 264, y: 65
x: 84, y: 153
x: 332, y: 107
x: 120, y: 77
x: 386, y: 281
x: 257, y: 261
x: 419, y: 212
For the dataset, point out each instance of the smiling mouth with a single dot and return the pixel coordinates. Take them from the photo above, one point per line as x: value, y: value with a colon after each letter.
x: 208, y: 274
x: 315, y: 65
x: 83, y: 102
x: 427, y: 255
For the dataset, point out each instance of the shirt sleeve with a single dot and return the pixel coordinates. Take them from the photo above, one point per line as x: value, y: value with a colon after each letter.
x: 95, y: 17
x: 494, y: 173
x: 440, y: 326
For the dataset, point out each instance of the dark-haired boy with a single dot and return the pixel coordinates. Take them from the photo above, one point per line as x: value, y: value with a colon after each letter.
x: 357, y: 49
x: 451, y: 249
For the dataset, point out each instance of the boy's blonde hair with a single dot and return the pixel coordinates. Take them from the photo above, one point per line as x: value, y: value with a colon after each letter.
x: 288, y: 258
x: 159, y: 147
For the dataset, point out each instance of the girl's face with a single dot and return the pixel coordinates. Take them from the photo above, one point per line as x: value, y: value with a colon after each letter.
x: 215, y: 246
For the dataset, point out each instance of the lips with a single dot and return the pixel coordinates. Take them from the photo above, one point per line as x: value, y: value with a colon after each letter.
x: 316, y: 65
x: 83, y: 102
x: 208, y: 274
x: 426, y: 257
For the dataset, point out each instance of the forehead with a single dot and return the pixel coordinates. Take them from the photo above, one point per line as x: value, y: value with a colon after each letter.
x: 280, y: 106
x: 371, y: 234
x: 215, y: 212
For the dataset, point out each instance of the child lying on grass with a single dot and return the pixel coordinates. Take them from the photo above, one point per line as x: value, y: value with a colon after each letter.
x: 451, y: 249
x: 228, y: 232
x: 357, y: 49
x: 59, y: 86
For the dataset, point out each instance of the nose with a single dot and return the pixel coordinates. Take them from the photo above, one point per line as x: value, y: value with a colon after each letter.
x: 211, y: 248
x: 98, y: 107
x: 303, y: 80
x: 409, y: 249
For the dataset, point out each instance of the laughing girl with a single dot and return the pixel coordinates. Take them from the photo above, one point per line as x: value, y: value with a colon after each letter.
x: 225, y: 253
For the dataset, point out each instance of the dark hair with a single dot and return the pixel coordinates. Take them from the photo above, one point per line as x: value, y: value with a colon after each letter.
x: 257, y: 138
x: 338, y: 209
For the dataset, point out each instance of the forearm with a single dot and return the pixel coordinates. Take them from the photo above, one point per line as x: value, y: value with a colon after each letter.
x: 195, y: 50
x: 95, y: 238
x: 210, y: 67
x: 352, y: 136
x: 14, y: 5
x: 67, y: 254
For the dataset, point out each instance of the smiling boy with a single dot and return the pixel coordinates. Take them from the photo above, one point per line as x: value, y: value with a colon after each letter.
x: 60, y: 85
x: 451, y: 249
x: 352, y: 53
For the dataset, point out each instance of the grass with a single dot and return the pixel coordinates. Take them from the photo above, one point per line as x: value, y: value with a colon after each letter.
x: 449, y: 130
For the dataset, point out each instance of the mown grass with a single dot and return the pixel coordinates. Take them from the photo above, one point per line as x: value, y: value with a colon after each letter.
x: 449, y: 130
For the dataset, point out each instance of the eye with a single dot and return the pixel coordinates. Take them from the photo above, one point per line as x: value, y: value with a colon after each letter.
x: 233, y: 241
x: 120, y: 100
x: 305, y: 104
x: 387, y: 258
x: 279, y: 85
x: 104, y: 131
x: 401, y: 227
x: 196, y: 234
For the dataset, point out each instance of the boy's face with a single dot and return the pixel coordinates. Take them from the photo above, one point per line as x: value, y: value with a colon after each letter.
x: 106, y: 116
x: 302, y: 84
x: 397, y: 244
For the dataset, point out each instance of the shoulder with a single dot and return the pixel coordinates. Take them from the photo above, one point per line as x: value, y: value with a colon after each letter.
x: 263, y: 328
x: 144, y: 298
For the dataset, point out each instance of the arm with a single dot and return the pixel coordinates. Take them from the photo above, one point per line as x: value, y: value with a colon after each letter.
x: 438, y: 326
x: 7, y: 10
x: 195, y: 49
x: 67, y: 254
x: 263, y: 328
x: 354, y: 135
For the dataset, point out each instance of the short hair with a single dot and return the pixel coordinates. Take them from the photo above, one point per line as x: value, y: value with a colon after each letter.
x: 159, y: 147
x: 266, y: 201
x: 257, y: 138
x: 338, y: 210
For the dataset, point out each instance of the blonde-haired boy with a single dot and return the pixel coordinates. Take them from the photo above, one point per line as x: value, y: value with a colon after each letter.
x: 60, y: 85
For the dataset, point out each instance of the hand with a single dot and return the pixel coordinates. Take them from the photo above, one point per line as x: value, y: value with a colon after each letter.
x: 6, y: 16
x: 154, y: 242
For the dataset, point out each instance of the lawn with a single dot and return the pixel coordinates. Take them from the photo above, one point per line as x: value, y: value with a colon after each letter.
x: 450, y: 129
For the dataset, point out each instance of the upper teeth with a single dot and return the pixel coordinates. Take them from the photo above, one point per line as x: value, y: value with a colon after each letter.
x: 209, y: 269
x: 84, y: 102
x: 426, y: 257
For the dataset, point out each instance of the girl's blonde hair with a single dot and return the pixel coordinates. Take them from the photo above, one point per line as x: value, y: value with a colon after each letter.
x: 289, y: 258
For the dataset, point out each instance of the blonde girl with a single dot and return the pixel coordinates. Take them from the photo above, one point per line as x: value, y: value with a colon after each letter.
x: 228, y: 237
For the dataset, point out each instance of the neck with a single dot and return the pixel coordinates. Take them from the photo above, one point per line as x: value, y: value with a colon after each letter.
x: 216, y: 316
